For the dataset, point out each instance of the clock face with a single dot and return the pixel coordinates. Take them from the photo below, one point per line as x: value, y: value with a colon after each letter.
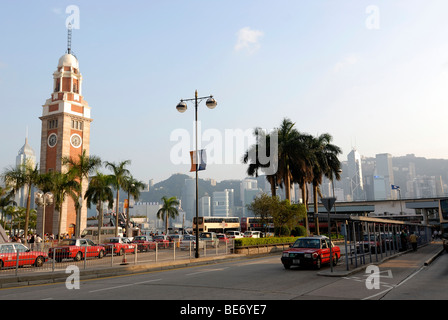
x: 52, y: 140
x: 76, y: 140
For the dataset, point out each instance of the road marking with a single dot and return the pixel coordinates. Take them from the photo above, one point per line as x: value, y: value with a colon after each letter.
x: 204, y: 271
x: 125, y: 285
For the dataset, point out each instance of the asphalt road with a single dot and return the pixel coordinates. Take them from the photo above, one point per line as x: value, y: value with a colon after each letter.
x: 262, y: 278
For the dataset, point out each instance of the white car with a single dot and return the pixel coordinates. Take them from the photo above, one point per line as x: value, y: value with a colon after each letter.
x: 188, y: 242
x: 252, y: 234
x: 234, y: 234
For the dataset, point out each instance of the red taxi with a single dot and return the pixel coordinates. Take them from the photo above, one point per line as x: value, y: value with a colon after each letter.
x: 144, y: 243
x: 162, y: 241
x: 311, y: 251
x: 10, y: 252
x: 120, y: 246
x: 76, y: 249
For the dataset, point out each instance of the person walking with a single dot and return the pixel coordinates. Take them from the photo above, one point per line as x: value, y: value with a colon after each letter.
x: 413, y: 240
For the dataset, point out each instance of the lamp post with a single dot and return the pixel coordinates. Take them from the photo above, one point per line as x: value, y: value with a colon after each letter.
x: 182, y: 107
x: 43, y: 200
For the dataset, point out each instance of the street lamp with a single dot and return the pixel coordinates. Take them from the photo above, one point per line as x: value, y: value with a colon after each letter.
x: 182, y: 107
x: 43, y: 200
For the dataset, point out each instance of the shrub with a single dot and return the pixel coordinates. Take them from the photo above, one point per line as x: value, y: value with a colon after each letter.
x: 243, y: 242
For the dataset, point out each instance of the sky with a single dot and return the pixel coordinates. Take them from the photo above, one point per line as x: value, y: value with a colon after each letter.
x: 373, y: 74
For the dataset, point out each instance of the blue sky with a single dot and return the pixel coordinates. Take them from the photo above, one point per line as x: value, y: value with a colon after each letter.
x: 376, y: 80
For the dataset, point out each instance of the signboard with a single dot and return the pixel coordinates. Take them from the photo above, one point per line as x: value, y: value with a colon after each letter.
x: 328, y: 203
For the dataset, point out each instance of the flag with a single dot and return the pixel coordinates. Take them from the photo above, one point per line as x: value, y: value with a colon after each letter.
x: 202, y: 155
x: 394, y: 187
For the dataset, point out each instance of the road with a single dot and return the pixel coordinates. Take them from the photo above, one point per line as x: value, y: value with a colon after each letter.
x: 262, y: 278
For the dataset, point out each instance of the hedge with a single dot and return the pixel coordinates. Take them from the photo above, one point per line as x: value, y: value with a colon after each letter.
x: 243, y: 242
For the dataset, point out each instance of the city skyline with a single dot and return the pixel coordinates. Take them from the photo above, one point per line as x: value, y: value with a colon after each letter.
x: 369, y: 76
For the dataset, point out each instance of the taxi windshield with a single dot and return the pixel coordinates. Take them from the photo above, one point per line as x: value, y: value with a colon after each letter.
x: 307, y: 243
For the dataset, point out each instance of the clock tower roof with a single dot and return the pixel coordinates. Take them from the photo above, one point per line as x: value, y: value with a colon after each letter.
x: 68, y: 60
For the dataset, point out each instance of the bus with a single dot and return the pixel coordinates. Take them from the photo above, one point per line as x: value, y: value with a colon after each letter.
x: 217, y: 224
x: 106, y: 232
x: 257, y: 224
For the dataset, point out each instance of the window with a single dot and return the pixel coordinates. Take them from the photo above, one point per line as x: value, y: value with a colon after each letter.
x: 52, y: 124
x: 77, y: 125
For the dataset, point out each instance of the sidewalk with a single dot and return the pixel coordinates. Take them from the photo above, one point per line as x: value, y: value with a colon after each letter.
x: 424, y: 255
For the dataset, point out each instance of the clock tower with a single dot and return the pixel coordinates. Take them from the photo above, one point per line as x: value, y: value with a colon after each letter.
x: 65, y: 133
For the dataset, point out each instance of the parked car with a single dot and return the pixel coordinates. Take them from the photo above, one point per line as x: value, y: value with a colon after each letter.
x: 311, y: 251
x: 144, y: 243
x: 252, y: 234
x: 162, y: 241
x: 76, y: 249
x: 234, y: 234
x: 222, y: 238
x: 189, y: 242
x: 209, y: 238
x: 9, y: 252
x: 119, y: 245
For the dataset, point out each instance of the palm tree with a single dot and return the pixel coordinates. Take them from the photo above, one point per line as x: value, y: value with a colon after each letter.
x: 80, y: 169
x: 23, y: 176
x: 326, y: 164
x: 254, y: 154
x: 62, y: 185
x: 6, y: 201
x: 118, y: 177
x: 133, y: 187
x: 99, y: 191
x: 168, y: 210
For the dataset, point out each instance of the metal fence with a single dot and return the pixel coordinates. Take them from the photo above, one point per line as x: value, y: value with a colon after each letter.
x: 370, y: 240
x: 16, y: 258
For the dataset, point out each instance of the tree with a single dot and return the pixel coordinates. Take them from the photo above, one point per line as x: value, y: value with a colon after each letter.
x: 6, y: 201
x: 168, y: 210
x: 61, y: 185
x: 80, y: 169
x: 133, y: 187
x: 118, y: 180
x: 285, y: 215
x: 259, y: 151
x: 23, y: 176
x: 99, y: 191
x: 326, y: 163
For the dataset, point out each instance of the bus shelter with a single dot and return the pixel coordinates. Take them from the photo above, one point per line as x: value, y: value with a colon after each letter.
x: 368, y: 240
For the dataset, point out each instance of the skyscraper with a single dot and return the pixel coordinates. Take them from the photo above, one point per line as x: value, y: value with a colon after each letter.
x: 383, y: 177
x: 355, y: 176
x: 25, y: 156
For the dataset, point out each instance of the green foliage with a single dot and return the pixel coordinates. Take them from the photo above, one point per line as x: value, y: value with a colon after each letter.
x: 299, y: 231
x: 242, y: 242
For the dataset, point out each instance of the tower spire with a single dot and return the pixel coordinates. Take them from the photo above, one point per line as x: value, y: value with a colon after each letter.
x: 69, y: 38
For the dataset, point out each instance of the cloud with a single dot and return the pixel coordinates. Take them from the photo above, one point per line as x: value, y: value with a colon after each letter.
x: 248, y: 39
x: 347, y: 61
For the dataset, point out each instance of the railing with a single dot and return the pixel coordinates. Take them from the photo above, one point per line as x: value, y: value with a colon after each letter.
x: 56, y: 258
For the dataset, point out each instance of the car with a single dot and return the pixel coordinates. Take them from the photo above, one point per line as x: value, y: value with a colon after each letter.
x: 310, y: 251
x: 209, y: 238
x: 76, y: 249
x: 144, y: 243
x: 189, y: 242
x: 234, y: 234
x: 222, y: 238
x: 120, y: 246
x: 252, y: 234
x: 9, y: 252
x: 162, y: 241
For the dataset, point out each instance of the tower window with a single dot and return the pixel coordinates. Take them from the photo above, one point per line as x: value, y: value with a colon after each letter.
x: 77, y: 125
x: 52, y: 124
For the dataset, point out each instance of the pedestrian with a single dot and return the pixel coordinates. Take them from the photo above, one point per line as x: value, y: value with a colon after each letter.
x: 413, y: 240
x: 404, y: 242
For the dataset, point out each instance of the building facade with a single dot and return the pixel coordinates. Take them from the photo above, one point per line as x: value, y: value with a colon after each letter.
x: 65, y: 132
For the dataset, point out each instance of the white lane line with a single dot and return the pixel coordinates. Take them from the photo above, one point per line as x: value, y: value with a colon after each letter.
x: 204, y: 271
x: 125, y: 285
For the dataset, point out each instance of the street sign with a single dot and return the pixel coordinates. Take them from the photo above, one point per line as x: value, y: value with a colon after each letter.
x: 328, y: 203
